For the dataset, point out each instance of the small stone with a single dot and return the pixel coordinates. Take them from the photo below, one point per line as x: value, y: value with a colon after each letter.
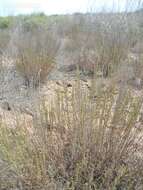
x: 69, y: 85
x: 6, y: 106
x: 58, y: 83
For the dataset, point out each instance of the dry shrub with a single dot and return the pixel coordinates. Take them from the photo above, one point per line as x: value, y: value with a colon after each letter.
x: 34, y: 53
x: 100, y: 41
x: 4, y: 40
x: 83, y: 141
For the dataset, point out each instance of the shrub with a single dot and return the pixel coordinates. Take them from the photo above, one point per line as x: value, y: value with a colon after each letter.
x: 34, y: 53
x: 33, y: 21
x: 4, y: 40
x: 6, y: 22
x: 82, y: 141
x: 100, y: 41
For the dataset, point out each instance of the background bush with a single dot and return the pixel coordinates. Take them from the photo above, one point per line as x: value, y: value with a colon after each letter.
x: 100, y: 42
x: 34, y: 53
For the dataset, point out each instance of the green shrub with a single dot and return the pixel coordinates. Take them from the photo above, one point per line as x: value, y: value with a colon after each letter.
x: 5, y: 22
x: 34, y: 21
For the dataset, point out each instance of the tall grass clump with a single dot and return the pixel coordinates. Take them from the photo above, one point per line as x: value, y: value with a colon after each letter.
x: 84, y: 140
x: 34, y: 52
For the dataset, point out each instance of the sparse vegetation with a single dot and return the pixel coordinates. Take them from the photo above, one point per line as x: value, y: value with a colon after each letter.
x: 83, y: 134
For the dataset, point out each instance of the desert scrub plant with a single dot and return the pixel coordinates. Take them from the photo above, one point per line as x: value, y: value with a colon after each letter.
x: 34, y: 53
x: 100, y: 41
x: 84, y: 140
